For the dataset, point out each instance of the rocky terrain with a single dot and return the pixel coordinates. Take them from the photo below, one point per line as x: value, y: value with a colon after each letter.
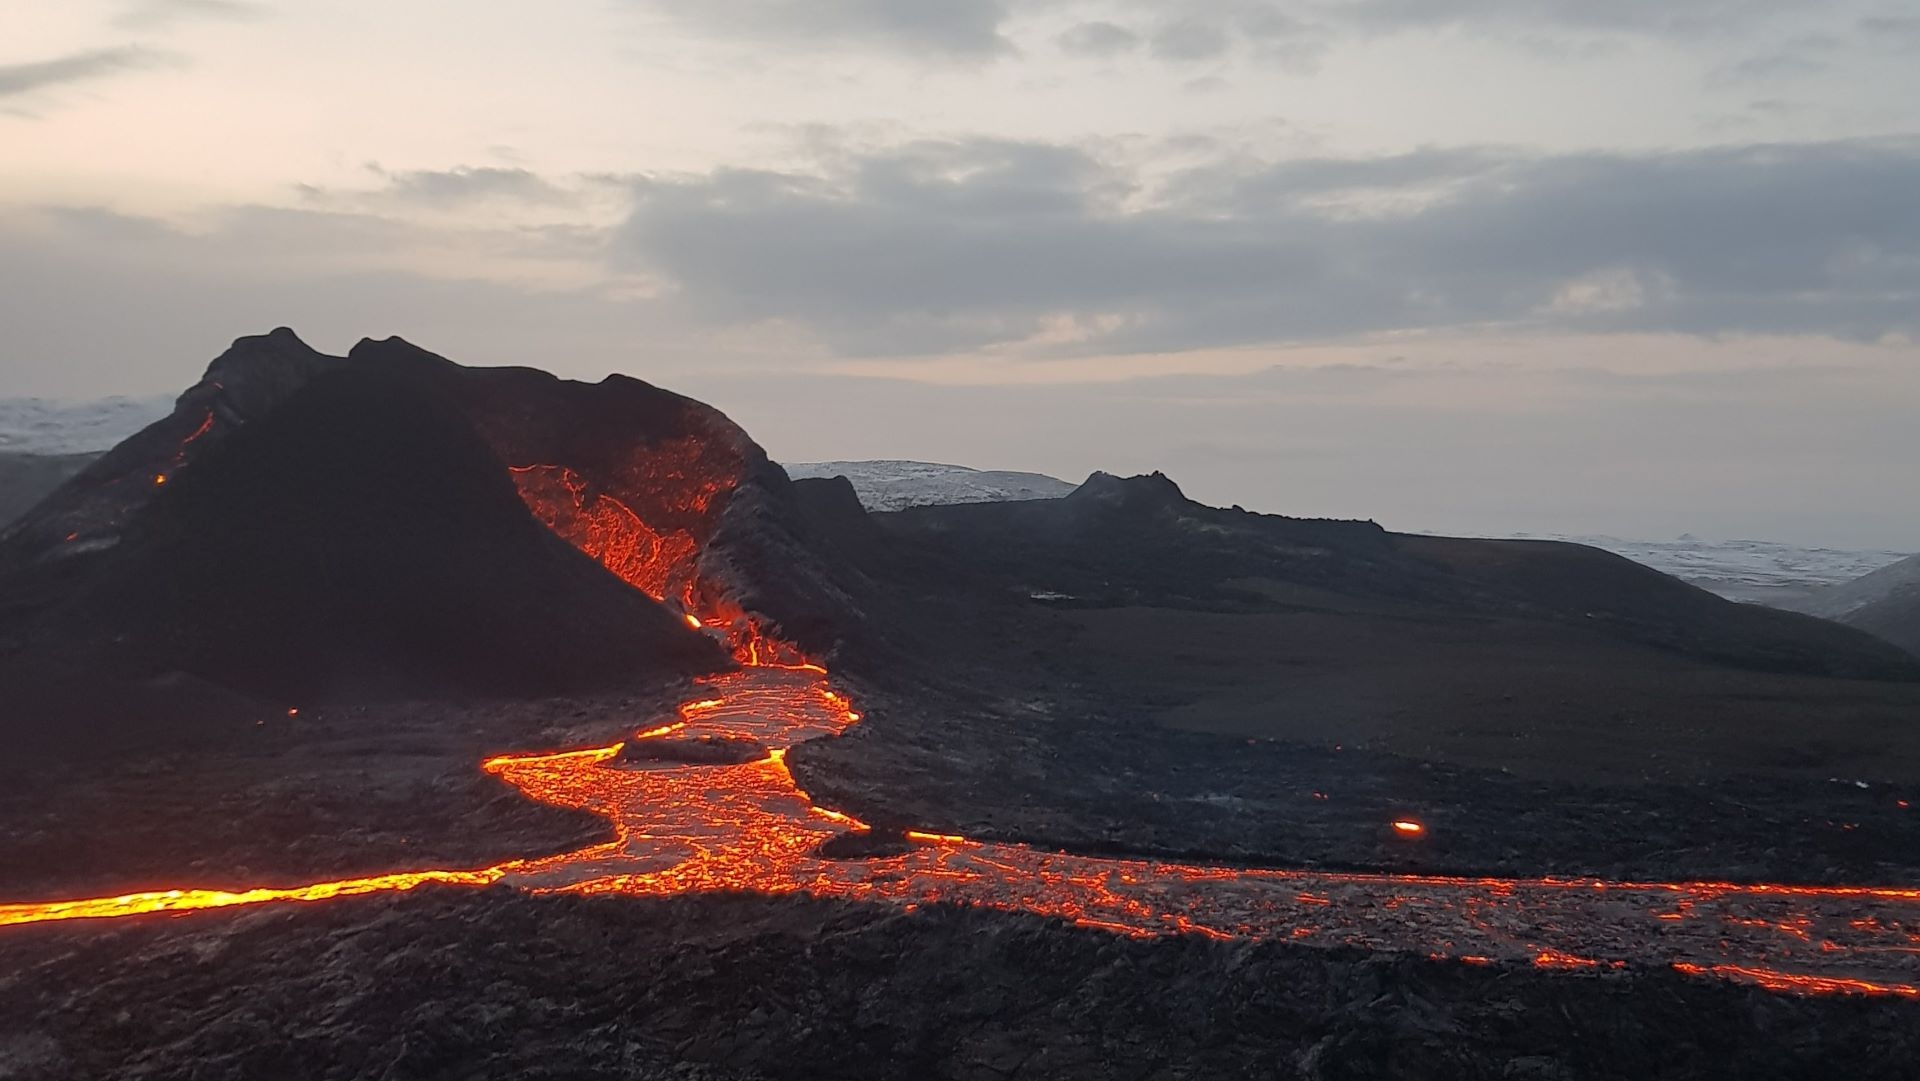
x: 332, y: 585
x: 358, y: 543
x: 461, y: 985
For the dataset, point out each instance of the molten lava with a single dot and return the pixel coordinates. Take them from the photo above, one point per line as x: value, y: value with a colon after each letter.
x: 699, y: 828
x: 690, y: 828
x: 659, y: 564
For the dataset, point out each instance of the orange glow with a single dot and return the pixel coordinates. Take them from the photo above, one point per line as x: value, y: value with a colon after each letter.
x: 1410, y: 829
x: 159, y: 479
x: 936, y: 838
x: 184, y: 900
x: 1808, y: 985
x: 206, y: 425
x: 660, y: 562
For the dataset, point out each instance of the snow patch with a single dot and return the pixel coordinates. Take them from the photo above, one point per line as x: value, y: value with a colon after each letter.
x: 894, y: 485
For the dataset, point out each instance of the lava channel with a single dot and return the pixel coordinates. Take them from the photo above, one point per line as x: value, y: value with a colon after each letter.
x: 689, y: 829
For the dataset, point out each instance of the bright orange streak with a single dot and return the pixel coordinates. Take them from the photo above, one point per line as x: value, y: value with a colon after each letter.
x: 1813, y: 985
x: 1409, y: 828
x: 937, y: 838
x: 183, y: 900
x: 206, y: 425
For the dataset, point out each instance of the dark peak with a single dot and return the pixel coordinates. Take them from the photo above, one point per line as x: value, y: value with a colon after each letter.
x: 280, y: 343
x: 1154, y: 489
x: 831, y: 496
x: 257, y: 372
x: 385, y: 349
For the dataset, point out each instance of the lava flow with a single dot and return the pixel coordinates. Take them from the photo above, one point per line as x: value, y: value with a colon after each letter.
x: 685, y: 827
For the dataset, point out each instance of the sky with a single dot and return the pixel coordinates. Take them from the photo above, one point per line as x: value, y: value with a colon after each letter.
x: 1641, y: 267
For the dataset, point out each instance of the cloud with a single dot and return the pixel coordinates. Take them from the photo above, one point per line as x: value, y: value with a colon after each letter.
x: 1296, y: 33
x: 1896, y: 31
x: 458, y: 187
x: 954, y: 28
x: 20, y: 79
x: 1099, y: 39
x: 1191, y: 39
x: 1626, y: 16
x: 931, y: 247
x: 165, y: 14
x: 1809, y: 54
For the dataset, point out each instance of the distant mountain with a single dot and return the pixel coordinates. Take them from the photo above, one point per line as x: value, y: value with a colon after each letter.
x: 1886, y: 602
x: 1842, y: 600
x: 895, y: 485
x: 1754, y: 571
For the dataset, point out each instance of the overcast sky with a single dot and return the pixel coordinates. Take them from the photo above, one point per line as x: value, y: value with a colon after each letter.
x: 1639, y: 267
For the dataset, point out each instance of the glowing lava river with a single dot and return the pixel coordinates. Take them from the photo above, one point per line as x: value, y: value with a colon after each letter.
x: 690, y: 828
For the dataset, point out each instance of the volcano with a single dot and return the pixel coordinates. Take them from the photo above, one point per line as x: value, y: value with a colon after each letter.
x: 358, y: 542
x: 390, y: 524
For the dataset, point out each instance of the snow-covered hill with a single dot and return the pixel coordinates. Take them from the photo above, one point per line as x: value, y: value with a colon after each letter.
x: 1761, y: 572
x: 1859, y: 593
x: 50, y: 426
x: 892, y: 485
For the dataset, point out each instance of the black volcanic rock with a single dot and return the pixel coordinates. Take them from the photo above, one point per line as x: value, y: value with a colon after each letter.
x: 243, y: 384
x: 358, y: 541
x: 1139, y: 541
x: 583, y: 454
x: 680, y: 465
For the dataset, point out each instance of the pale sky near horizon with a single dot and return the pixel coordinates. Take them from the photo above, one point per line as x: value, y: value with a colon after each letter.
x: 1482, y: 266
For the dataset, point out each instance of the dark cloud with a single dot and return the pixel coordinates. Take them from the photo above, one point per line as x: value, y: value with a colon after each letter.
x: 1098, y: 39
x: 933, y: 247
x: 1286, y: 32
x: 1898, y: 31
x: 95, y: 301
x: 1191, y: 39
x: 1630, y: 16
x: 470, y: 184
x: 1809, y: 54
x: 162, y: 14
x: 955, y: 28
x: 21, y: 79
